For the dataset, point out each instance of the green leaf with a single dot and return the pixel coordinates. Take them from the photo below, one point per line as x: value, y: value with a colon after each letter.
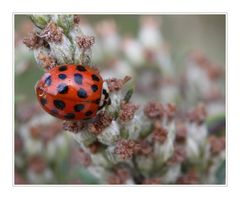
x: 128, y: 95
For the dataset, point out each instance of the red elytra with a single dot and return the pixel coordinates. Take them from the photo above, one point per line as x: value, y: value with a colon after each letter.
x: 71, y: 92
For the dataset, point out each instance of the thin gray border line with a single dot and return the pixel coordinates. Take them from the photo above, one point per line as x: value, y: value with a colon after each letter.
x: 123, y: 13
x: 126, y: 13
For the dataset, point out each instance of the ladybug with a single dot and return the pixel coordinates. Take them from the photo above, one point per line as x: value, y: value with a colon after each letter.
x: 72, y: 92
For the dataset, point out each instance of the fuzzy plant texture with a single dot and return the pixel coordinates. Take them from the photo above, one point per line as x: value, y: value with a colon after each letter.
x: 129, y: 142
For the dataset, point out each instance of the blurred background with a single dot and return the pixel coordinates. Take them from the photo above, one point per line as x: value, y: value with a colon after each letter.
x: 172, y: 58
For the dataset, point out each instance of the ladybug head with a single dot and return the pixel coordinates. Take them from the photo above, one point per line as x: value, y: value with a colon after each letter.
x: 105, y: 99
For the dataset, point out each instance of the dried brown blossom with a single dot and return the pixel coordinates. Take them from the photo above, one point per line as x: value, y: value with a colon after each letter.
x: 198, y: 115
x: 127, y: 111
x: 181, y: 133
x: 85, y: 42
x: 73, y: 126
x: 178, y: 156
x: 125, y: 148
x: 84, y: 158
x: 159, y: 133
x: 143, y: 147
x: 45, y: 132
x: 18, y: 144
x: 115, y: 84
x: 76, y: 19
x: 25, y: 111
x: 114, y: 179
x: 120, y: 176
x: 79, y: 156
x: 52, y: 33
x: 214, y: 94
x: 198, y: 57
x: 190, y: 177
x: 33, y: 41
x: 37, y: 164
x: 95, y: 147
x: 75, y: 181
x: 217, y: 144
x: 47, y: 62
x: 152, y: 181
x: 19, y: 179
x: 154, y: 110
x: 213, y: 71
x: 123, y: 174
x: 102, y: 121
x: 170, y: 111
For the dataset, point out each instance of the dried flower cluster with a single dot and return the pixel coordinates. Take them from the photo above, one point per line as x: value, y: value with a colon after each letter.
x: 147, y: 142
x: 102, y: 121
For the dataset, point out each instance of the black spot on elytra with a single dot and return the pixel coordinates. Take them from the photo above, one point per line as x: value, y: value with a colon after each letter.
x: 78, y: 78
x: 62, y: 68
x: 82, y: 93
x: 59, y: 104
x: 69, y: 116
x: 43, y: 101
x: 78, y: 107
x: 62, y: 76
x: 88, y: 113
x: 62, y: 88
x: 48, y: 80
x: 54, y: 112
x: 94, y: 87
x: 81, y: 68
x: 95, y: 78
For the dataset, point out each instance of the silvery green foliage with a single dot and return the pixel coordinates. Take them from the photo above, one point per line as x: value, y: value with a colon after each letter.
x: 62, y: 52
x: 84, y: 137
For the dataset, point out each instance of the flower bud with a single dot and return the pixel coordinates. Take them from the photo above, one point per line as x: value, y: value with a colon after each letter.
x: 197, y: 132
x: 62, y: 52
x: 192, y: 149
x: 163, y: 151
x: 40, y: 20
x: 100, y: 160
x: 114, y: 108
x: 150, y: 34
x: 133, y: 51
x: 111, y: 155
x: 109, y: 135
x: 172, y: 174
x: 33, y: 146
x: 145, y: 163
x: 40, y: 178
x: 43, y: 58
x: 84, y: 137
x: 64, y: 21
x: 74, y: 33
x: 137, y: 126
x: 61, y: 47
